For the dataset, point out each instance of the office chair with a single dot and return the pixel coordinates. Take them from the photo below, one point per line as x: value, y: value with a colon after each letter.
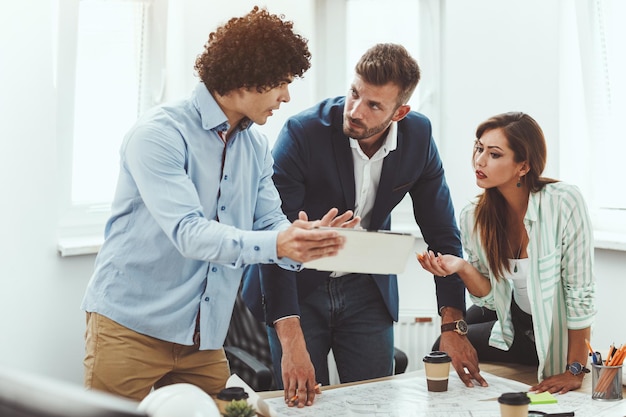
x: 248, y: 351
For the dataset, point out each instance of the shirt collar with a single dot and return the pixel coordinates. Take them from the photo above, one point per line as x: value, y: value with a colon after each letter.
x: 532, y: 212
x: 211, y: 114
x: 390, y: 143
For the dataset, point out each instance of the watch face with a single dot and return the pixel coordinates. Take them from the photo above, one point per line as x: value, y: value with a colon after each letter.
x: 575, y: 368
x: 462, y: 326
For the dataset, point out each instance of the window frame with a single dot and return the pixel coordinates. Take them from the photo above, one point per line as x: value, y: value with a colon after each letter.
x: 80, y: 226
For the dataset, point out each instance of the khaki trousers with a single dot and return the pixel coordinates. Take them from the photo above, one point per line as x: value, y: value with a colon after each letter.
x: 126, y: 363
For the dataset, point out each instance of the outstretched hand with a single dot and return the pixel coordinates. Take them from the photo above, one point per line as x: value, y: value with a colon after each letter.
x: 440, y: 265
x: 304, y: 241
x: 331, y: 219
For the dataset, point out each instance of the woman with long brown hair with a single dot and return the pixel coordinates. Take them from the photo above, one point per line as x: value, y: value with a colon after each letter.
x: 529, y: 257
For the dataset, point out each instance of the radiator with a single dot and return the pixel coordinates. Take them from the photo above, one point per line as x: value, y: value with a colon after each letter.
x: 413, y: 334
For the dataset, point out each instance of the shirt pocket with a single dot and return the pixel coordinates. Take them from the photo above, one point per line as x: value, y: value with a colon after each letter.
x: 549, y: 274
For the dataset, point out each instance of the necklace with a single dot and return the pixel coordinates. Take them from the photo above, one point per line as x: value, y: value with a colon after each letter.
x: 521, y: 244
x: 519, y: 251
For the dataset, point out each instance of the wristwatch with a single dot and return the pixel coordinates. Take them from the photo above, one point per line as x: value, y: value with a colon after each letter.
x: 459, y: 326
x: 577, y: 368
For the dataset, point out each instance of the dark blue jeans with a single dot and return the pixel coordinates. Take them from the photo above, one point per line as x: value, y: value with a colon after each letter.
x: 346, y: 314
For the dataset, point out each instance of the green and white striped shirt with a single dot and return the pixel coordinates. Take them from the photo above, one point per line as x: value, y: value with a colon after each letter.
x: 561, y: 284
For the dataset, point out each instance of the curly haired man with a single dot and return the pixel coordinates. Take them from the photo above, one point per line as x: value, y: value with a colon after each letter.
x: 194, y: 204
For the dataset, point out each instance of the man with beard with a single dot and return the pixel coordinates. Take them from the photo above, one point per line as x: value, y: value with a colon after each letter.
x: 363, y: 152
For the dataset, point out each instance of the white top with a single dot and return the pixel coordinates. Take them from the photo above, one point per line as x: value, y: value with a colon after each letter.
x: 519, y: 279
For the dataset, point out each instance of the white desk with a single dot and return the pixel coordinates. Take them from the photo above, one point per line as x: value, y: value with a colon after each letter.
x: 406, y: 395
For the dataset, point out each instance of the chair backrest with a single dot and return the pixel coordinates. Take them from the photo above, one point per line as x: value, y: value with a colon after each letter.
x: 248, y: 334
x: 248, y: 351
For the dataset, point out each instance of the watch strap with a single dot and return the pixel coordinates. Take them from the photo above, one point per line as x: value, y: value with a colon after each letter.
x: 459, y: 326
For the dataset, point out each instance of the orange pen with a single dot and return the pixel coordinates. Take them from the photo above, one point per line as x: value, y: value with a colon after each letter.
x: 294, y: 399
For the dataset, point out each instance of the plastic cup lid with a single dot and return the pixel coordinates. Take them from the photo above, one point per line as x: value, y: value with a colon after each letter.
x: 437, y: 356
x: 232, y: 393
x: 514, y: 398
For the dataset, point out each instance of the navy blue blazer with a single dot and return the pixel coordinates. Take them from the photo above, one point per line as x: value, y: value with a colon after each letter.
x: 313, y: 171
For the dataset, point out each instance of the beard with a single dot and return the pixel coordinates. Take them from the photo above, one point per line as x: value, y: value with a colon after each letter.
x: 364, y: 132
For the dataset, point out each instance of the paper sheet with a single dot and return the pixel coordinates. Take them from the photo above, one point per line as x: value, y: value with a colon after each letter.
x: 409, y: 397
x: 381, y: 252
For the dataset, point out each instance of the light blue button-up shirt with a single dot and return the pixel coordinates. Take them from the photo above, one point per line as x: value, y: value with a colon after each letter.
x: 189, y: 213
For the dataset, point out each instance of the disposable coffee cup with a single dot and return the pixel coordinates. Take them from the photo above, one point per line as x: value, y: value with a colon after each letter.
x: 437, y: 367
x: 514, y: 404
x: 228, y: 395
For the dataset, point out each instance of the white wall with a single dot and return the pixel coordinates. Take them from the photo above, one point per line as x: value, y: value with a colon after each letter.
x: 40, y: 324
x: 497, y: 56
x: 491, y: 64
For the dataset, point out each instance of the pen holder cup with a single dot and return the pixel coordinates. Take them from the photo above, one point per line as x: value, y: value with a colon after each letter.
x: 606, y: 382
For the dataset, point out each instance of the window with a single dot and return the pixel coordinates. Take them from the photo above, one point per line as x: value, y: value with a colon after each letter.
x: 593, y: 102
x: 110, y: 64
x: 107, y: 97
x: 416, y: 27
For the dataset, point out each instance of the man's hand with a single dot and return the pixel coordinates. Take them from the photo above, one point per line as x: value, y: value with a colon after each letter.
x: 297, y: 370
x: 303, y: 241
x: 463, y: 354
x: 463, y: 357
x: 331, y: 219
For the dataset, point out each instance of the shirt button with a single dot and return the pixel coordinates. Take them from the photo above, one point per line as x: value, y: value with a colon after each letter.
x: 206, y: 298
x: 256, y: 248
x: 225, y: 177
x: 214, y: 269
x: 271, y: 261
x: 223, y: 208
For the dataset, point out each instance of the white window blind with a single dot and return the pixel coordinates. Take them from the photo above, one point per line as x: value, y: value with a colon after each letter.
x: 415, y: 25
x: 109, y: 79
x: 110, y: 68
x: 593, y: 102
x: 610, y: 142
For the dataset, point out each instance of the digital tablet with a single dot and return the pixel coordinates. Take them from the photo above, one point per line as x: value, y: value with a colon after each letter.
x: 370, y: 252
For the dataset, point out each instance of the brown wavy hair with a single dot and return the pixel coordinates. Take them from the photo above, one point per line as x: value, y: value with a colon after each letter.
x: 259, y: 50
x: 526, y: 140
x: 390, y: 63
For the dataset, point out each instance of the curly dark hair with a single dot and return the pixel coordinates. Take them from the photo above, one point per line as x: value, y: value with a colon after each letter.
x: 259, y: 50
